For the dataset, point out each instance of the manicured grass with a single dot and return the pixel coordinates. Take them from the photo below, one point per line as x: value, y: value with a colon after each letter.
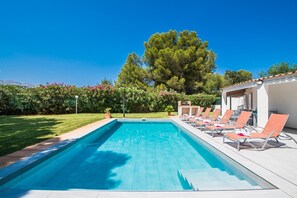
x: 18, y: 132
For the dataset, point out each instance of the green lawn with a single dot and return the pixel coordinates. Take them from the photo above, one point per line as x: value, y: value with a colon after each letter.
x: 17, y: 132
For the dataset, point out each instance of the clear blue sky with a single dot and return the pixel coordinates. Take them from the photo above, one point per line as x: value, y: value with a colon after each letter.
x: 83, y: 42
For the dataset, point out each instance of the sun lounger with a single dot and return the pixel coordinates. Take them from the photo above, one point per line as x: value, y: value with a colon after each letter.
x: 186, y: 117
x: 204, y: 116
x: 211, y: 119
x: 223, y: 121
x: 273, y: 129
x: 239, y: 124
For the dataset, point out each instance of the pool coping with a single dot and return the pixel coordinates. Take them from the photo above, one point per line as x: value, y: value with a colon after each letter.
x: 284, y: 188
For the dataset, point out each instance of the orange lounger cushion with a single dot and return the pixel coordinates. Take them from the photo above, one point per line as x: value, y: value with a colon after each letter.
x: 235, y: 136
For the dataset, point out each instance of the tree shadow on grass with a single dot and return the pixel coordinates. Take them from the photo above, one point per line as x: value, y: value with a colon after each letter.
x: 19, y: 132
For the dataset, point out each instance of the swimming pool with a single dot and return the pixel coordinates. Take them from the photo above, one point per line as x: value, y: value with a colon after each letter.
x: 136, y: 155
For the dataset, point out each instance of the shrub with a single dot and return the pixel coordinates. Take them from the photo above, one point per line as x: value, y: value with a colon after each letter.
x: 202, y: 99
x: 107, y: 110
x: 98, y: 98
x: 165, y: 98
x: 60, y: 98
x: 169, y: 108
x: 136, y: 100
x: 56, y: 98
x: 13, y: 100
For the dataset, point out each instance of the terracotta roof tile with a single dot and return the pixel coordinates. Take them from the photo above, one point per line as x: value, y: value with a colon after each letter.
x: 263, y: 78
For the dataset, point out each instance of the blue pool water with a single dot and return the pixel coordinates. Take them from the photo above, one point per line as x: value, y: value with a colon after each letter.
x: 137, y: 156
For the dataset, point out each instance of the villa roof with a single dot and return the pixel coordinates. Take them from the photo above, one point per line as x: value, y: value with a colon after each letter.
x: 264, y: 78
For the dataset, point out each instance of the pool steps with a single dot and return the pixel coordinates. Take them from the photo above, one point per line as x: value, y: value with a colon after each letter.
x: 212, y: 179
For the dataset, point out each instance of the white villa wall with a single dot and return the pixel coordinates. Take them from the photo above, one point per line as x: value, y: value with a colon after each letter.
x: 238, y: 101
x: 254, y: 98
x: 263, y: 105
x: 251, y: 98
x: 228, y: 99
x: 283, y: 99
x: 224, y: 103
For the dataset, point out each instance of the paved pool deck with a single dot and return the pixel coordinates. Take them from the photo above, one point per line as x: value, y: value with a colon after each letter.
x: 277, y: 164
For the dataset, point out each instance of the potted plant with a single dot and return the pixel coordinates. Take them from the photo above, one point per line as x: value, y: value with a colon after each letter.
x: 107, y: 113
x: 169, y: 109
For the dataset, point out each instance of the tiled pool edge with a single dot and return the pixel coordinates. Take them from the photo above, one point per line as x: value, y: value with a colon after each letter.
x: 271, y: 177
x: 276, y: 193
x: 27, y: 162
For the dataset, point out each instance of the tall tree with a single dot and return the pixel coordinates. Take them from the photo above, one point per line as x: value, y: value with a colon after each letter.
x: 106, y: 82
x: 213, y: 84
x: 132, y: 73
x: 178, y: 61
x: 233, y: 77
x: 279, y: 68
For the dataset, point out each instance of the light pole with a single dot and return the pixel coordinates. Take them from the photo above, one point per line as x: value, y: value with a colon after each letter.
x: 124, y: 101
x: 76, y: 97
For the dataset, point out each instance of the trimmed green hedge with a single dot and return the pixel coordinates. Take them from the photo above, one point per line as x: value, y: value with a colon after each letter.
x: 202, y: 99
x: 60, y: 99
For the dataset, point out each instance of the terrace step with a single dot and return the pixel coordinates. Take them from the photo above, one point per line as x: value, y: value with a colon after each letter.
x: 212, y: 179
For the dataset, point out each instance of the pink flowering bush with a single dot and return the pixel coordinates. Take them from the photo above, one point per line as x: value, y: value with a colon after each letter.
x: 59, y: 98
x: 56, y: 98
x: 97, y: 98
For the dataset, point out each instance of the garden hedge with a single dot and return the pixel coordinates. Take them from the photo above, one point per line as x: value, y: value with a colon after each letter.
x: 60, y: 99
